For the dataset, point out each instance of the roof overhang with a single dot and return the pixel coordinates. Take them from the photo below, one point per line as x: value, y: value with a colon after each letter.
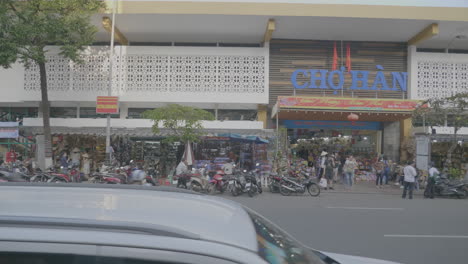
x: 277, y: 8
x: 338, y: 108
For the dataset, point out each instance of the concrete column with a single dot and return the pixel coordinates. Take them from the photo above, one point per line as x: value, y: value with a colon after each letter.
x: 412, y: 69
x: 378, y: 143
x: 123, y: 109
x: 40, y: 152
x: 391, y: 140
x: 262, y: 114
x: 406, y: 128
x: 423, y: 151
x: 39, y: 111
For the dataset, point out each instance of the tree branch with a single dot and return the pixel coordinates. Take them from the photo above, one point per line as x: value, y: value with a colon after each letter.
x: 12, y: 6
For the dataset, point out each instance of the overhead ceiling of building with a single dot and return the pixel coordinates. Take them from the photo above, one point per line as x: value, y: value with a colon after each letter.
x: 250, y: 29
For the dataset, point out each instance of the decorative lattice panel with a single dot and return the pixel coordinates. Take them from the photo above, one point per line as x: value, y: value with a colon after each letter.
x: 154, y: 73
x: 438, y: 79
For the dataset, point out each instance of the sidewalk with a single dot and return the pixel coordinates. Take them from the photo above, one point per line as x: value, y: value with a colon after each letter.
x: 369, y: 187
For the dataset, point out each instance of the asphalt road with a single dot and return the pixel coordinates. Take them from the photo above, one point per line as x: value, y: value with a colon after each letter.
x: 383, y: 226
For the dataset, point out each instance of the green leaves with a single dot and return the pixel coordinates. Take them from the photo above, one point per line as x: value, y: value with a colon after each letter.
x: 184, y: 122
x: 27, y: 27
x: 452, y: 111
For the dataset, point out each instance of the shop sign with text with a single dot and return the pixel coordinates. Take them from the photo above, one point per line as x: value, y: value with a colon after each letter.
x: 332, y: 124
x: 107, y: 105
x: 325, y: 79
x: 9, y: 130
x: 347, y: 103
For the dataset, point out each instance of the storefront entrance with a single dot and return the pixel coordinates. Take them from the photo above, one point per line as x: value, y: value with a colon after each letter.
x: 362, y: 127
x: 348, y: 142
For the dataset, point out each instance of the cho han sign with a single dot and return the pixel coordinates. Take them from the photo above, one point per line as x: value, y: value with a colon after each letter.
x: 324, y: 79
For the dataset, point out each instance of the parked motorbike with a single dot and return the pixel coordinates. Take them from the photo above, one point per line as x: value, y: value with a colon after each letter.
x: 246, y: 183
x: 274, y: 183
x: 149, y: 180
x: 15, y: 173
x: 183, y: 181
x: 200, y: 184
x: 288, y: 186
x: 40, y: 176
x: 104, y: 179
x: 443, y: 187
x: 58, y: 177
x: 14, y: 176
x: 218, y: 182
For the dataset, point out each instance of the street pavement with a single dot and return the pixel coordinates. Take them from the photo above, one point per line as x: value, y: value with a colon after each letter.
x: 372, y: 222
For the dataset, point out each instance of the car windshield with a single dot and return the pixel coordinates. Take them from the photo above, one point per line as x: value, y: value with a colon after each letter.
x: 277, y: 247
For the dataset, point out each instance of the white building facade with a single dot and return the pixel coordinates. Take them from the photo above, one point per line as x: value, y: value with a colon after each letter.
x: 215, y: 55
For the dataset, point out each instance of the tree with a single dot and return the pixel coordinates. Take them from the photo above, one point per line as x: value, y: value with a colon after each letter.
x: 183, y: 122
x: 451, y: 111
x: 28, y: 27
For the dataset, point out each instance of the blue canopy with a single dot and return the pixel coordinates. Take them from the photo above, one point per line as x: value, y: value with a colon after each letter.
x: 243, y: 138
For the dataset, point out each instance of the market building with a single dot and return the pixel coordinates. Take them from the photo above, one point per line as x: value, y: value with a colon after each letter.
x: 307, y: 66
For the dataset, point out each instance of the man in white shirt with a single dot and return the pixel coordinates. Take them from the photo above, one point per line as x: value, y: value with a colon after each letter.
x: 433, y: 173
x: 410, y: 177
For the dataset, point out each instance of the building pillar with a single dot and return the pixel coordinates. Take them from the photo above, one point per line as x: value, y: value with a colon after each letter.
x: 40, y: 114
x: 423, y: 151
x: 405, y: 134
x: 378, y: 142
x: 123, y: 110
x: 262, y: 114
x: 40, y: 152
x: 412, y: 69
x: 391, y: 140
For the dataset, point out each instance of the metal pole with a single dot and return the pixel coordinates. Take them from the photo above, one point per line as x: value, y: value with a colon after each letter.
x: 342, y: 87
x: 277, y: 133
x: 109, y: 90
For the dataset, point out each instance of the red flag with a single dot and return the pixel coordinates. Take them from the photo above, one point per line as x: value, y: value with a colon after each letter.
x: 335, y: 57
x: 348, y: 57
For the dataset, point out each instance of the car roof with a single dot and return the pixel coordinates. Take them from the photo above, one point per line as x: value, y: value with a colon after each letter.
x: 165, y: 210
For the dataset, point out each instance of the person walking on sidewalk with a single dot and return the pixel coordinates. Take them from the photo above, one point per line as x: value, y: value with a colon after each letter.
x: 349, y: 168
x: 322, y: 161
x: 410, y: 177
x: 378, y: 167
x: 329, y: 167
x: 433, y: 173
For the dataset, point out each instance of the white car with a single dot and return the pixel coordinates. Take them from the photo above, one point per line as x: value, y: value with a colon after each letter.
x: 85, y: 223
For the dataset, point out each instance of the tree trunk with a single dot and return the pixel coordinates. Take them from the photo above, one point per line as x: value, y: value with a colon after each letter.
x: 451, y: 149
x: 45, y: 115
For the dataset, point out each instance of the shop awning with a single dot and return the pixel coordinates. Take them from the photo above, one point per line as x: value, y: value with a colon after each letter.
x: 244, y: 138
x: 145, y: 132
x: 338, y: 108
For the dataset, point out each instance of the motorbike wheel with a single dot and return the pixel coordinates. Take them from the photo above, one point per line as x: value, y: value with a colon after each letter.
x: 313, y: 190
x: 270, y: 187
x: 211, y: 188
x: 461, y: 194
x: 251, y: 191
x: 234, y: 191
x: 196, y: 187
x: 284, y: 191
x: 426, y: 193
x: 57, y: 180
x: 260, y: 189
x: 36, y: 178
x: 93, y: 180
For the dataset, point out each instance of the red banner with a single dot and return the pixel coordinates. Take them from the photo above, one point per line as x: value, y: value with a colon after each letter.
x: 347, y: 103
x: 107, y: 105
